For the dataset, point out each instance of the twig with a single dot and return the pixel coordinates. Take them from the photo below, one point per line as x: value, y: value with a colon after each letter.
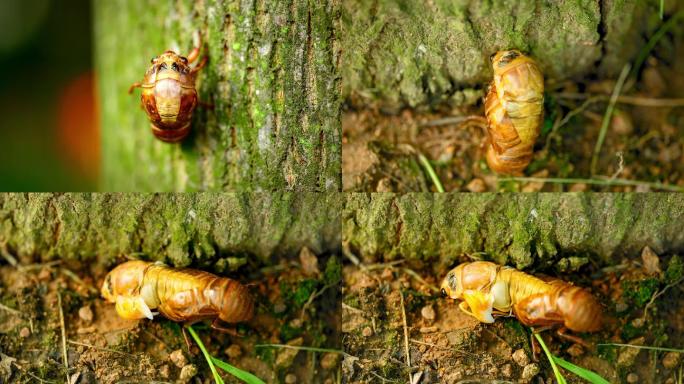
x: 658, y: 294
x: 607, y: 117
x: 599, y: 180
x: 349, y: 307
x: 8, y: 256
x: 453, y: 120
x: 100, y: 348
x: 569, y: 116
x: 10, y: 310
x: 431, y: 172
x: 416, y: 276
x: 38, y: 378
x: 302, y: 348
x: 78, y: 280
x: 643, y: 347
x: 623, y: 99
x: 406, y: 338
x: 312, y: 297
x: 349, y: 254
x: 61, y: 324
x: 654, y: 40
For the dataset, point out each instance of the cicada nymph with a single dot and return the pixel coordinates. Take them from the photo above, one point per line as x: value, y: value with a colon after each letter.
x: 183, y: 295
x: 490, y: 290
x: 514, y: 109
x: 168, y: 93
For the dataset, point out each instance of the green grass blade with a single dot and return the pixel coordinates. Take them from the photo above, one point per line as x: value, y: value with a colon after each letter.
x: 431, y: 172
x: 301, y: 348
x: 194, y: 335
x: 662, y: 349
x: 559, y: 378
x: 237, y: 372
x: 586, y: 374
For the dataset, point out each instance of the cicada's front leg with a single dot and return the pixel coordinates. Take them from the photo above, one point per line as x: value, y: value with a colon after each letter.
x: 481, y: 305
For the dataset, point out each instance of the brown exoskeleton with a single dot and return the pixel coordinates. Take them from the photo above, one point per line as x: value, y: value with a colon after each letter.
x: 490, y: 290
x: 183, y: 295
x: 168, y: 93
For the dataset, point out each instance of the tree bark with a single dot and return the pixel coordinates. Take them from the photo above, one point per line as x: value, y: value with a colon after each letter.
x: 412, y: 53
x: 271, y: 77
x: 176, y: 228
x: 516, y: 228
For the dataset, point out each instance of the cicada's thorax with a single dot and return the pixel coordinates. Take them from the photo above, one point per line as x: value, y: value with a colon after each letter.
x: 514, y: 108
x: 169, y: 97
x: 512, y: 287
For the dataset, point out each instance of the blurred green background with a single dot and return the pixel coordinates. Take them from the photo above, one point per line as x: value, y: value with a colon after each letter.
x: 49, y: 139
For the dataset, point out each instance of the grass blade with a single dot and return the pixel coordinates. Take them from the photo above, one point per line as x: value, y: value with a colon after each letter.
x: 663, y: 349
x: 586, y: 374
x: 559, y: 378
x: 431, y: 172
x: 194, y: 335
x: 237, y: 372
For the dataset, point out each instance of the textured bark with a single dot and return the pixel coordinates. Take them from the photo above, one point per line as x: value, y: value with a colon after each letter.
x: 400, y: 53
x: 176, y: 228
x: 515, y: 228
x: 272, y: 79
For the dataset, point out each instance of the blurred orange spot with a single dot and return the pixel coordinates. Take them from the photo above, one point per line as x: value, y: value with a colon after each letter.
x: 78, y: 129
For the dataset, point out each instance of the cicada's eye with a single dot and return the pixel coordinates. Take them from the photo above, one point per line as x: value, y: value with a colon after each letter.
x: 444, y: 292
x: 492, y: 56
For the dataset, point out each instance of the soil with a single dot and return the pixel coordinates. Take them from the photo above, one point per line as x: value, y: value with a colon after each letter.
x: 643, y: 143
x: 448, y: 346
x: 296, y: 305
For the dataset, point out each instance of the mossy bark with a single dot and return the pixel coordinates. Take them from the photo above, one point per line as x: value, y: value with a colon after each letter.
x: 271, y: 77
x: 176, y: 228
x: 411, y: 53
x: 519, y: 229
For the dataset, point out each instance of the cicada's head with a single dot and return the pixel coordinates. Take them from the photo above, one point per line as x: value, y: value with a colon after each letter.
x: 122, y: 286
x: 124, y: 280
x: 451, y: 285
x: 475, y: 276
x: 501, y: 59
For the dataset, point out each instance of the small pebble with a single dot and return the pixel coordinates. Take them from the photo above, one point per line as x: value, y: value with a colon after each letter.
x: 575, y: 350
x: 234, y: 351
x: 507, y: 370
x: 387, y: 274
x: 187, y: 373
x: 520, y: 357
x: 290, y: 378
x: 632, y: 378
x: 476, y: 185
x: 178, y: 358
x: 330, y: 361
x: 44, y: 274
x: 24, y: 333
x: 422, y: 348
x: 428, y: 313
x: 530, y: 371
x: 367, y: 332
x: 164, y: 371
x: 279, y: 307
x: 84, y: 330
x: 671, y: 360
x: 432, y: 329
x: 309, y: 262
x: 86, y: 314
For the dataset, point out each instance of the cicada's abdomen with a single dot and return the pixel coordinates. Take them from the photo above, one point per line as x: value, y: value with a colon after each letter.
x: 514, y: 108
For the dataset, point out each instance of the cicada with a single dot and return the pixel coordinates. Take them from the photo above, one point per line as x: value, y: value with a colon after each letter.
x: 513, y: 108
x: 168, y: 93
x: 489, y: 290
x: 182, y: 295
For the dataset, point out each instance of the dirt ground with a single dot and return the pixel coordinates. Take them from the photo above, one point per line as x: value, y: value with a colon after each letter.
x: 644, y: 141
x: 393, y: 309
x: 297, y: 304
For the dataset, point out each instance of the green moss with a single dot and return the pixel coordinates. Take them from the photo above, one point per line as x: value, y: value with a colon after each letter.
x: 640, y: 292
x: 675, y: 270
x: 288, y: 332
x: 333, y: 271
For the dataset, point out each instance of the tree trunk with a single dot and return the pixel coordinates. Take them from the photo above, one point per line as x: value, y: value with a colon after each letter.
x: 271, y: 77
x: 176, y: 228
x: 411, y: 53
x: 516, y: 228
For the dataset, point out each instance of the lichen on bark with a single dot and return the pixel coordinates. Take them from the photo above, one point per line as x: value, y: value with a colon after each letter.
x: 272, y: 79
x: 518, y: 229
x: 176, y: 228
x: 417, y: 53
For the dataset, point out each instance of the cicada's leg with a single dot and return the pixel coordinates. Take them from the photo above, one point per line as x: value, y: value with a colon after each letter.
x: 463, y: 306
x: 216, y: 324
x: 562, y: 333
x: 133, y: 86
x: 199, y: 65
x: 194, y: 54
